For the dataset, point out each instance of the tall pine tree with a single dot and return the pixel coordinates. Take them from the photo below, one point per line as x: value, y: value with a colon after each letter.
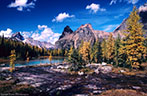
x: 85, y: 52
x: 110, y: 48
x: 133, y: 41
x: 95, y: 52
x: 104, y: 49
x: 117, y: 46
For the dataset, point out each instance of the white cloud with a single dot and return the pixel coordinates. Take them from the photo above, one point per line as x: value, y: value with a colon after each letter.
x: 46, y: 34
x: 113, y: 1
x: 132, y: 1
x: 6, y: 33
x: 62, y: 16
x: 21, y: 4
x: 128, y: 1
x: 94, y: 8
x: 41, y: 27
x: 120, y: 15
x: 143, y: 8
x: 26, y: 34
x: 109, y: 28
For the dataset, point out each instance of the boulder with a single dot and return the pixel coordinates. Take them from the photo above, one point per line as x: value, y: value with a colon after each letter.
x: 103, y: 63
x: 80, y: 73
x: 106, y: 69
x: 96, y: 71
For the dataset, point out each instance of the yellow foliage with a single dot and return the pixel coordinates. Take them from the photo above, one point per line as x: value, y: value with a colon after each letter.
x: 50, y: 57
x: 85, y: 51
x: 110, y: 47
x: 12, y: 59
x: 133, y: 41
x: 104, y: 48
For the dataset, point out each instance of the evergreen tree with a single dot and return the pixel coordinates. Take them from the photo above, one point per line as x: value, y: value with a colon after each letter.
x: 117, y: 46
x: 104, y: 49
x: 133, y: 41
x: 75, y: 59
x: 2, y: 47
x: 85, y: 52
x: 27, y: 56
x: 95, y: 52
x: 110, y: 48
x: 145, y: 44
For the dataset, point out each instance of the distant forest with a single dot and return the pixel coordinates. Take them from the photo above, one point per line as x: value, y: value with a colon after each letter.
x: 24, y: 50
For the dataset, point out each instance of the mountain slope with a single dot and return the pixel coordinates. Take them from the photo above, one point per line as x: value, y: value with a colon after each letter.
x: 83, y: 33
x: 87, y: 33
x: 142, y: 11
x: 18, y: 37
x: 40, y: 44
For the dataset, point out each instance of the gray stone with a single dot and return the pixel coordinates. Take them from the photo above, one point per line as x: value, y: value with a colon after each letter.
x: 81, y: 95
x: 64, y: 87
x: 106, y: 69
x: 136, y: 87
x: 103, y: 63
x: 91, y: 86
x: 122, y: 71
x: 97, y: 92
x: 96, y: 71
x: 9, y: 78
x: 80, y: 73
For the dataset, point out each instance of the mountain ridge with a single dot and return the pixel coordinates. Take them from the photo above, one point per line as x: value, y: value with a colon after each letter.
x: 83, y: 33
x: 41, y: 44
x: 87, y: 33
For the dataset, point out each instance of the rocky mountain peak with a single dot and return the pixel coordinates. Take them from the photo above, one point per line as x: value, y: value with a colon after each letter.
x: 67, y: 30
x: 122, y: 26
x: 86, y: 26
x: 83, y: 33
x: 17, y: 36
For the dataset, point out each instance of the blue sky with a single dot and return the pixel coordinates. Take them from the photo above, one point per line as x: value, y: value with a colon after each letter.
x: 45, y: 20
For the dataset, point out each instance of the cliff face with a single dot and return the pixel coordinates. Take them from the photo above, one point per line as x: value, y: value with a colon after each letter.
x: 83, y: 33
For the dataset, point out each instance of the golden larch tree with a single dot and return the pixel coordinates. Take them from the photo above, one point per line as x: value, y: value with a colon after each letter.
x: 65, y: 53
x: 104, y: 49
x: 133, y: 41
x: 110, y: 48
x: 12, y: 60
x: 50, y: 58
x: 85, y: 52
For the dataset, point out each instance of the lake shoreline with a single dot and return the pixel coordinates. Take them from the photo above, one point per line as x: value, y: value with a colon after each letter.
x: 6, y: 60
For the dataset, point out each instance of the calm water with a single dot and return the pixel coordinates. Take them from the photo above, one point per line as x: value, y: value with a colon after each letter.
x: 35, y: 62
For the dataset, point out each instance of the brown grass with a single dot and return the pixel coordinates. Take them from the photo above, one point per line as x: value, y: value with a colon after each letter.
x: 130, y: 72
x: 122, y: 92
x: 3, y: 60
x: 11, y: 87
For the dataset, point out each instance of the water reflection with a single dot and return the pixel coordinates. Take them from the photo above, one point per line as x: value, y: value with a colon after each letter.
x: 35, y: 62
